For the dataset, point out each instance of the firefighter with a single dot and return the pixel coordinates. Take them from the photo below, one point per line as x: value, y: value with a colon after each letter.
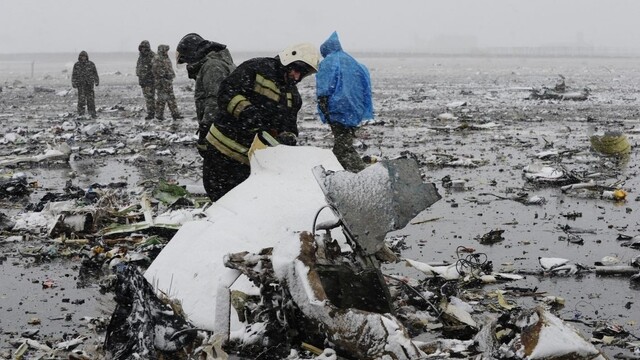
x: 259, y: 98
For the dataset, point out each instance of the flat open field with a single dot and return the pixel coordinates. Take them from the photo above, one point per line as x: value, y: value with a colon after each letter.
x: 492, y: 133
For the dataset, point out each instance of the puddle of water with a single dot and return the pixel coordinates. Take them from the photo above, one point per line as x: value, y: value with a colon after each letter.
x: 532, y: 232
x: 59, y: 309
x: 104, y: 170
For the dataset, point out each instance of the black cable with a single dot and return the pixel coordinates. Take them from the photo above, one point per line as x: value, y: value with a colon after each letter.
x: 416, y: 292
x: 315, y: 218
x: 471, y: 262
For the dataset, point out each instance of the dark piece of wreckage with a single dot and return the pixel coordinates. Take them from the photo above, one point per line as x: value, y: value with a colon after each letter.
x: 336, y: 296
x: 347, y: 305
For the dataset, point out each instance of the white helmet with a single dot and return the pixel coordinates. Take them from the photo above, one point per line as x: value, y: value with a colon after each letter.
x: 305, y: 53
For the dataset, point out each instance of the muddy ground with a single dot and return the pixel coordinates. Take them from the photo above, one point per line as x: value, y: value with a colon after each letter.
x: 410, y: 94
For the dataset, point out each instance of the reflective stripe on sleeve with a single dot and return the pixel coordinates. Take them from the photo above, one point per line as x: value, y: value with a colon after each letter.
x: 267, y: 88
x: 237, y: 104
x: 227, y: 146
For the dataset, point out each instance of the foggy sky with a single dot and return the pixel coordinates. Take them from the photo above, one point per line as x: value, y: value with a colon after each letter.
x: 32, y: 26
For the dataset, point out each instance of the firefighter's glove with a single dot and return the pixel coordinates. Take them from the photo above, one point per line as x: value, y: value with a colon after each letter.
x: 202, y: 145
x: 287, y: 138
x: 203, y: 129
x: 203, y: 148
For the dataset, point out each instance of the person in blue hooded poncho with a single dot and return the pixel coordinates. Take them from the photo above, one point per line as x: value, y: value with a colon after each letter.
x: 344, y: 99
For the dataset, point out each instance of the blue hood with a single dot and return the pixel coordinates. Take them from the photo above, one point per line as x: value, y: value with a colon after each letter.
x: 346, y: 83
x: 331, y: 45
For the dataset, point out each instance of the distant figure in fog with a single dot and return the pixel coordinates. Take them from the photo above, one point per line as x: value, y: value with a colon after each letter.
x: 83, y: 78
x: 163, y: 74
x: 208, y: 63
x: 343, y: 88
x: 145, y: 77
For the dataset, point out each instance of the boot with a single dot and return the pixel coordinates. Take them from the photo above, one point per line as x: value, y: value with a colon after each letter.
x: 177, y: 117
x: 150, y: 116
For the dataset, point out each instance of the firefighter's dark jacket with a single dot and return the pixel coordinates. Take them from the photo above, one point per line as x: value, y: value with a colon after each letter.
x: 255, y: 97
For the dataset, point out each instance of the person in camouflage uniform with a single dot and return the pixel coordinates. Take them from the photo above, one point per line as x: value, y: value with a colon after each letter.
x: 83, y: 77
x: 163, y: 74
x: 208, y: 63
x: 145, y: 77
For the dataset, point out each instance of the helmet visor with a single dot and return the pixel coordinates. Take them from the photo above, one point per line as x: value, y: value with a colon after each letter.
x: 302, y: 68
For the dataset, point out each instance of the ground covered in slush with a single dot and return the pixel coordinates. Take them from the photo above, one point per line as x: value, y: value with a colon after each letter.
x: 468, y: 121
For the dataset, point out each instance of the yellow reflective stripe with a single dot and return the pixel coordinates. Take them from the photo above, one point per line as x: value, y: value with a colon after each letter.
x: 225, y: 150
x: 227, y: 146
x: 267, y: 88
x: 237, y: 104
x: 270, y: 140
x: 289, y: 99
x: 267, y: 83
x: 262, y: 141
x: 213, y: 130
x: 240, y: 108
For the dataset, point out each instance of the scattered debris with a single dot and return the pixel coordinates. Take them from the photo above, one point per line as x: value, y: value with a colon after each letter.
x: 17, y: 186
x: 610, y: 143
x: 446, y: 117
x: 40, y: 89
x: 559, y: 92
x: 492, y: 237
x: 456, y: 104
x: 535, y: 334
x: 522, y: 198
x: 58, y: 238
x: 61, y: 153
x: 142, y: 325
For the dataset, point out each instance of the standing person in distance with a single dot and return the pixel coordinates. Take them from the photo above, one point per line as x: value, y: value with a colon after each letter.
x: 208, y: 63
x: 343, y: 88
x: 258, y: 99
x: 145, y: 77
x: 163, y: 74
x: 83, y: 78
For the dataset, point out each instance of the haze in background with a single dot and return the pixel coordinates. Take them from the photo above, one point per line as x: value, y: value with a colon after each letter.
x: 34, y: 26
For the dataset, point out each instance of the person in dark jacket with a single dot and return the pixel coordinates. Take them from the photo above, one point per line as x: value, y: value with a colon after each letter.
x: 208, y: 63
x: 343, y: 88
x: 259, y: 99
x: 145, y: 77
x: 83, y: 78
x: 163, y: 75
